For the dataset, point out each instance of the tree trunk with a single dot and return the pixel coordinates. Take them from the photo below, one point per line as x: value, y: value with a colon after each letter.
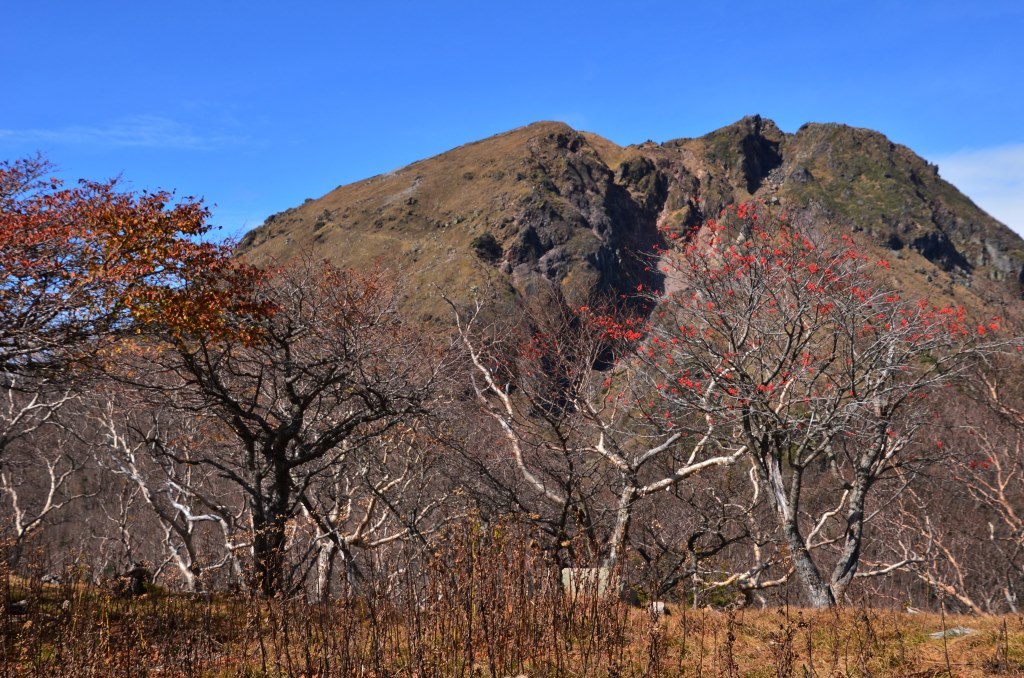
x: 325, y: 558
x: 623, y: 514
x: 786, y: 502
x: 818, y: 593
x: 188, y: 571
x: 846, y: 568
x: 268, y: 547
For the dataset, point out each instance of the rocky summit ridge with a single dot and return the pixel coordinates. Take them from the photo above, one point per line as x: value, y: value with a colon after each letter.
x: 546, y: 205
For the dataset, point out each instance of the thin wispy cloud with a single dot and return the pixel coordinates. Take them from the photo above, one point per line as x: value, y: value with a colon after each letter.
x: 993, y: 178
x: 130, y: 132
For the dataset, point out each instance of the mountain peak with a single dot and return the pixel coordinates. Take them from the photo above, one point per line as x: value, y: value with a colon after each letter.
x: 752, y: 125
x: 547, y: 205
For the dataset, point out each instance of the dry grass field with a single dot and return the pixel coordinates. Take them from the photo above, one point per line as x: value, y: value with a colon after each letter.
x: 454, y: 623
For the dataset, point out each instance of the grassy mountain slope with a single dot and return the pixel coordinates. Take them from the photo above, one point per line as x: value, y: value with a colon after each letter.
x: 546, y: 204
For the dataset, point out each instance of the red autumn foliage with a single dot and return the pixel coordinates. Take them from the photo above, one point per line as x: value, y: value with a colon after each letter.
x: 83, y: 263
x: 793, y: 352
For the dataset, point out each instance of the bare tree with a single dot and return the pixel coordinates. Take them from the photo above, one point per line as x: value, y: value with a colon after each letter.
x: 328, y: 372
x: 583, y: 441
x: 972, y: 509
x: 38, y: 481
x: 370, y: 500
x: 155, y: 454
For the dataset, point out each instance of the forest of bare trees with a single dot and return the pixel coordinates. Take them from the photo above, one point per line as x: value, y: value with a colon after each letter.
x: 772, y: 423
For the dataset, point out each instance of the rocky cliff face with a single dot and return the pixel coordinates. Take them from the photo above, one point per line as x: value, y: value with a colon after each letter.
x: 546, y: 205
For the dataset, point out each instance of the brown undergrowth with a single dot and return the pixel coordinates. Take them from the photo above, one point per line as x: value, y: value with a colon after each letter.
x: 476, y: 607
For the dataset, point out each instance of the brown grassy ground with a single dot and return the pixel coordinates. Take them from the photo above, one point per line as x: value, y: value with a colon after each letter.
x: 485, y: 603
x: 81, y: 631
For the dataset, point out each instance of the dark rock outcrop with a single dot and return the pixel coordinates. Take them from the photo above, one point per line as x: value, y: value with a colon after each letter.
x: 546, y: 205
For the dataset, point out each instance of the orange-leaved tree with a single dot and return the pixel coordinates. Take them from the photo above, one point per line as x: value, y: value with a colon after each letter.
x: 83, y: 266
x: 85, y: 263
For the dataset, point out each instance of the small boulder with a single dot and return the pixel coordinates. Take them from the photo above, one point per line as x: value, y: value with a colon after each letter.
x: 659, y: 609
x: 955, y: 632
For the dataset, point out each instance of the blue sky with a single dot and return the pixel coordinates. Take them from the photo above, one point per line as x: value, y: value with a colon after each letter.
x: 256, y: 105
